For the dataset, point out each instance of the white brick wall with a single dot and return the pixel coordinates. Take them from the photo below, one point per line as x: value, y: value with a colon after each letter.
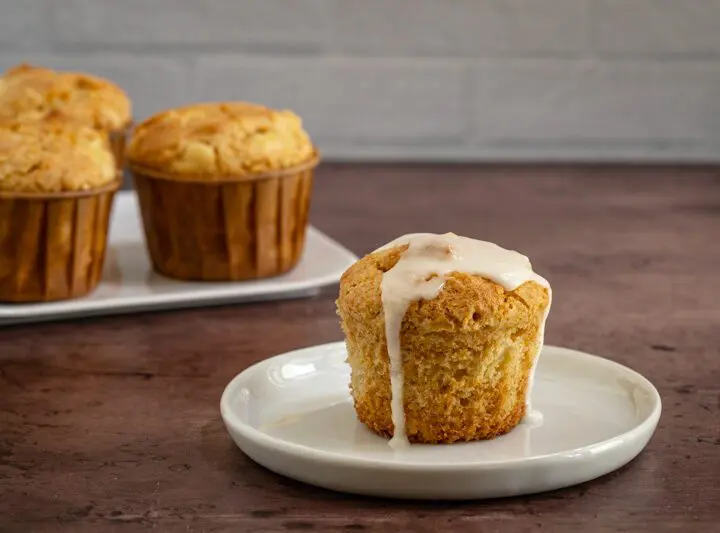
x: 22, y: 25
x: 660, y: 28
x: 273, y: 23
x: 458, y: 28
x: 412, y: 79
x: 591, y: 101
x: 358, y: 101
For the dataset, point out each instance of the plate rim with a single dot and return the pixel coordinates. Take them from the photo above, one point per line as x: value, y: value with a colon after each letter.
x: 646, y: 426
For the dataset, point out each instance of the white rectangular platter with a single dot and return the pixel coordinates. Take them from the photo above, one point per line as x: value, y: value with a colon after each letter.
x: 130, y: 285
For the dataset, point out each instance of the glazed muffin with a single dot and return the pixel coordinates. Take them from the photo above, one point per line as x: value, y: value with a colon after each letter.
x: 29, y: 93
x: 57, y: 182
x: 224, y: 190
x: 442, y: 334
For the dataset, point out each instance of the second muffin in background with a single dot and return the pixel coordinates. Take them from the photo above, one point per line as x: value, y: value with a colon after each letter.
x: 57, y: 184
x: 224, y: 190
x: 30, y: 93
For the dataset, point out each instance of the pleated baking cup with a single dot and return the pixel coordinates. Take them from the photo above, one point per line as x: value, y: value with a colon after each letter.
x: 225, y: 228
x: 118, y: 140
x: 52, y: 245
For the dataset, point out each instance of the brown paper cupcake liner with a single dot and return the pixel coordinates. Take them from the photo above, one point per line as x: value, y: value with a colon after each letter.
x: 118, y: 140
x: 227, y: 229
x: 52, y: 246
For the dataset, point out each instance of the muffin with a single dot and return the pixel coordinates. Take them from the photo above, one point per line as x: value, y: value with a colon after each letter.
x: 29, y: 93
x: 442, y: 334
x: 57, y: 182
x: 224, y: 190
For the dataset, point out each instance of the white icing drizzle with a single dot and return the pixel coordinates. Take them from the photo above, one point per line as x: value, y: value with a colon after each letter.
x: 420, y: 274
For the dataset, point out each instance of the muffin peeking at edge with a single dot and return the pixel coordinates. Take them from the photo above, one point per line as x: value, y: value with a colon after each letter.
x: 57, y: 183
x: 465, y: 319
x: 224, y: 190
x: 30, y: 93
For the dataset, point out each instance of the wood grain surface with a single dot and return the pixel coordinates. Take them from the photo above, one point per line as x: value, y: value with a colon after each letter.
x: 112, y: 424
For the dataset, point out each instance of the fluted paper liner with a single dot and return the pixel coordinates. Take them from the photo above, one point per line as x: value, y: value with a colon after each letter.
x: 226, y: 229
x: 52, y: 246
x: 117, y: 140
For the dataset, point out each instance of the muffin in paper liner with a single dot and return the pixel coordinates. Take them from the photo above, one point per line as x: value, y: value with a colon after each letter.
x: 52, y: 246
x: 224, y: 190
x: 225, y: 230
x: 30, y: 93
x: 57, y: 184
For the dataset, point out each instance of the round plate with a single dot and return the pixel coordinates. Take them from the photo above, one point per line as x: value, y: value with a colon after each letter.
x: 293, y: 414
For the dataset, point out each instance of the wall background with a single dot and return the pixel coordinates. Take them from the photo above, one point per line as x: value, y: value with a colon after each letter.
x: 606, y: 80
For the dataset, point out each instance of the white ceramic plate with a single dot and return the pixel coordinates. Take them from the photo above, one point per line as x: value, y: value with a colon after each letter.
x: 129, y: 284
x: 292, y: 414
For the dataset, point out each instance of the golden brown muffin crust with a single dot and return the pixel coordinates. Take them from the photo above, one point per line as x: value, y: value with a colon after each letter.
x: 33, y: 93
x: 466, y: 300
x: 216, y: 140
x: 467, y: 353
x: 53, y: 156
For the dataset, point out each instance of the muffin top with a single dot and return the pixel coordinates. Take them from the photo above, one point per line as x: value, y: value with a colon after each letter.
x: 464, y: 301
x: 33, y: 93
x: 220, y: 140
x: 53, y: 156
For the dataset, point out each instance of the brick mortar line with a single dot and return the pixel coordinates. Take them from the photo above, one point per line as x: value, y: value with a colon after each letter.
x: 311, y: 52
x: 456, y: 61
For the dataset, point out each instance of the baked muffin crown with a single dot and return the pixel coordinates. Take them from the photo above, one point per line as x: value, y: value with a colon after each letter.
x: 33, y: 93
x: 461, y: 360
x: 466, y: 302
x: 53, y: 156
x: 216, y: 140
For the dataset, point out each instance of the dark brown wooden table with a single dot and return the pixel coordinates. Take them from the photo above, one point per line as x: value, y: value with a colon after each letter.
x: 112, y: 424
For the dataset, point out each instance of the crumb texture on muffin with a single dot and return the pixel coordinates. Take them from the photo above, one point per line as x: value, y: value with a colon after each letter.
x: 216, y: 140
x: 467, y: 354
x: 34, y: 93
x: 53, y: 156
